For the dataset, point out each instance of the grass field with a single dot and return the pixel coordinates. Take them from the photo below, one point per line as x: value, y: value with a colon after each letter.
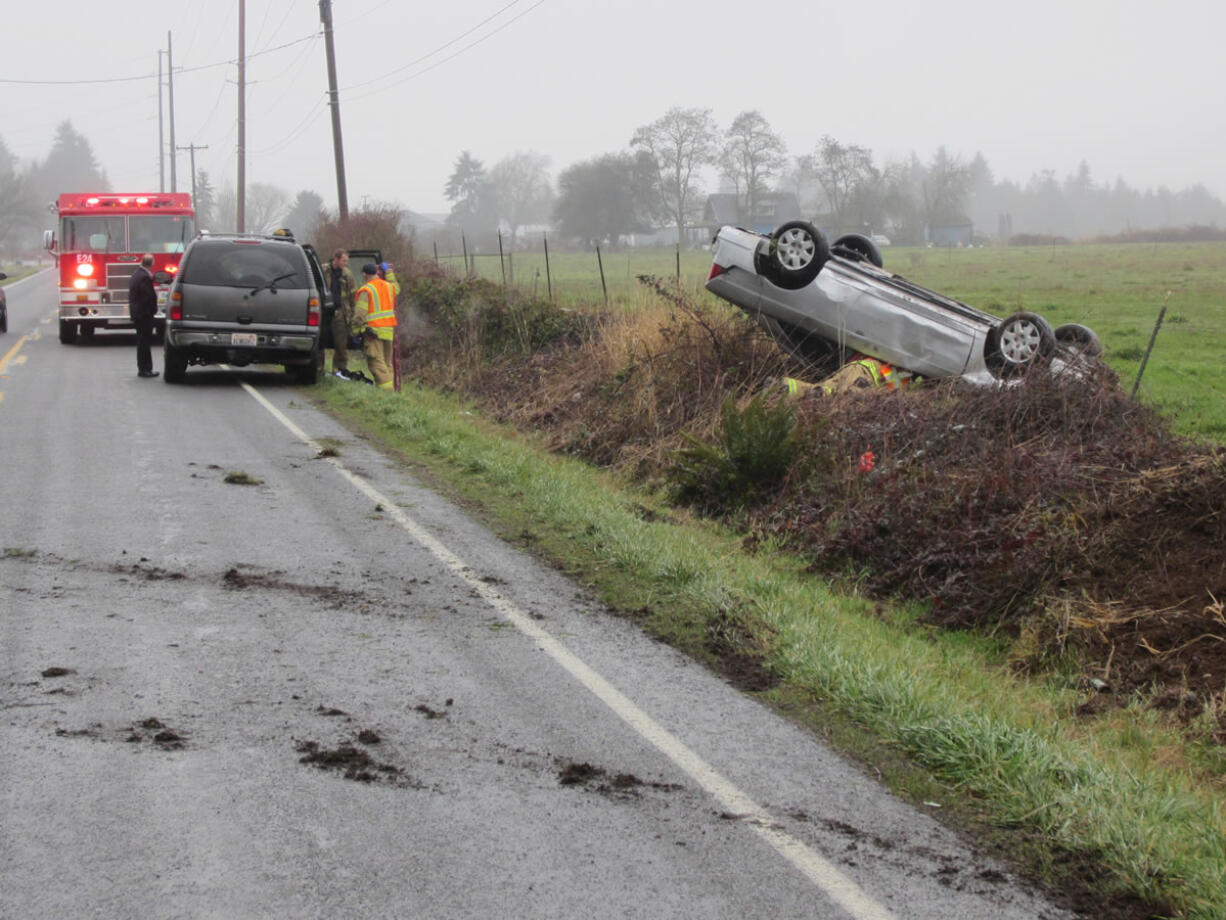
x: 1117, y: 290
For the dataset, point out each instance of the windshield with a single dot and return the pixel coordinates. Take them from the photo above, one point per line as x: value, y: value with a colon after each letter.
x: 93, y: 234
x: 164, y: 233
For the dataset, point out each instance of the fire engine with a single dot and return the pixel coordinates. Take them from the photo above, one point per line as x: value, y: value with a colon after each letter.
x: 99, y: 244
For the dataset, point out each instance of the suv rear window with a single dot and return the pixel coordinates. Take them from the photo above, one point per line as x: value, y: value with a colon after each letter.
x: 241, y: 264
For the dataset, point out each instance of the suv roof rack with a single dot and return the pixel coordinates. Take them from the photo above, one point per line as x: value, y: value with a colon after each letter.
x: 282, y: 235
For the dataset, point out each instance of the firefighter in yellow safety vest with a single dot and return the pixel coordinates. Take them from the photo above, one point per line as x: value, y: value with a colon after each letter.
x: 859, y: 373
x: 374, y: 314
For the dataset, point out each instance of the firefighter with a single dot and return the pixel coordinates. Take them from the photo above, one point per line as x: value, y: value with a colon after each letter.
x: 859, y: 373
x: 341, y: 282
x: 375, y: 317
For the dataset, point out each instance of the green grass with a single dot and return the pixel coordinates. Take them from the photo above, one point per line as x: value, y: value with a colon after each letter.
x: 940, y: 714
x: 1117, y: 290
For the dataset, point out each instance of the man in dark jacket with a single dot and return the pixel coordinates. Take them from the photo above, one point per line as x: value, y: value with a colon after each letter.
x: 341, y: 282
x: 142, y: 308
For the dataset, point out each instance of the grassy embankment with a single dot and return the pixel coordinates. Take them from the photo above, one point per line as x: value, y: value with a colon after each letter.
x: 939, y: 714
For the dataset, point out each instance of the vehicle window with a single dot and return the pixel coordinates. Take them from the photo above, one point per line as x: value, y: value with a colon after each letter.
x: 163, y: 233
x: 243, y: 264
x: 93, y: 234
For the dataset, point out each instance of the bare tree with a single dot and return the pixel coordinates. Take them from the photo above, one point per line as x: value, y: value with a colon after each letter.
x: 753, y: 154
x: 946, y: 187
x: 522, y: 189
x: 843, y: 170
x: 681, y: 142
x: 266, y: 207
x: 19, y: 212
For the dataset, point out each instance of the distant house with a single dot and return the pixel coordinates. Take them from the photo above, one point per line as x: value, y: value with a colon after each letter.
x: 771, y: 210
x: 952, y: 233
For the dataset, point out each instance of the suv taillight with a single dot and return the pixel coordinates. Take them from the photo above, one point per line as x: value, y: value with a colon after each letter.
x: 175, y: 310
x: 313, y: 311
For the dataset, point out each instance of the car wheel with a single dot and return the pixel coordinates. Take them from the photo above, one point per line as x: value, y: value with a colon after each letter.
x: 1079, y: 339
x: 307, y: 374
x: 4, y: 319
x: 797, y: 253
x: 1017, y: 342
x: 174, y: 364
x: 68, y: 332
x: 858, y: 248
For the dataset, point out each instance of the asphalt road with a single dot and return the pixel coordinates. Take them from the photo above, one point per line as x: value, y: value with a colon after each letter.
x: 326, y: 692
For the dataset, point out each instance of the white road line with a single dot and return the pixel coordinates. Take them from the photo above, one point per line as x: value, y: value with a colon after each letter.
x: 820, y: 871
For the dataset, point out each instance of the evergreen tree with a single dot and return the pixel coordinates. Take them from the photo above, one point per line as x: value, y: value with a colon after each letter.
x: 70, y: 166
x: 205, y: 202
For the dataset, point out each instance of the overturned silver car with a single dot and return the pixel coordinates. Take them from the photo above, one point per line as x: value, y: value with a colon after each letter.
x: 824, y: 302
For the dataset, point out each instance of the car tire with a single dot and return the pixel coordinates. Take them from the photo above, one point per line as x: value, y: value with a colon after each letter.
x: 307, y: 374
x: 1017, y: 343
x: 858, y: 248
x: 4, y: 319
x: 68, y: 332
x: 1079, y: 339
x: 797, y: 253
x: 174, y: 364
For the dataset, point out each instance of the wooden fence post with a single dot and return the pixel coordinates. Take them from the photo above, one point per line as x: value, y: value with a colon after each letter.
x: 1152, y: 337
x: 548, y: 277
x: 502, y: 263
x: 603, y: 286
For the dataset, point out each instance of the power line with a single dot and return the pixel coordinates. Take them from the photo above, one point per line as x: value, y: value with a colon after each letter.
x: 426, y: 57
x: 153, y: 76
x: 450, y: 57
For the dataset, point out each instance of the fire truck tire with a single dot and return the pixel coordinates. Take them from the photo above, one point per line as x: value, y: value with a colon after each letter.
x: 68, y: 332
x: 174, y: 364
x: 86, y: 332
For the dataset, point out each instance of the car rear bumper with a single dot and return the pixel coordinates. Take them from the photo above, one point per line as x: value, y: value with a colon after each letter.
x: 214, y: 346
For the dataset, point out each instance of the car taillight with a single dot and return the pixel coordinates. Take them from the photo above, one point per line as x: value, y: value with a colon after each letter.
x: 313, y: 311
x: 716, y: 269
x: 176, y: 305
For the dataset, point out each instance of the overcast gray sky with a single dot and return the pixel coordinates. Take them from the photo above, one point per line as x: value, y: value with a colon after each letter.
x: 1134, y: 88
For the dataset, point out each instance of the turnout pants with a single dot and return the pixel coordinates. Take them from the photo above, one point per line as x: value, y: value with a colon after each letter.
x: 379, y: 357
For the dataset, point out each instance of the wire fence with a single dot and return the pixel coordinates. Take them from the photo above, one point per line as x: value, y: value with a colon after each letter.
x: 600, y: 274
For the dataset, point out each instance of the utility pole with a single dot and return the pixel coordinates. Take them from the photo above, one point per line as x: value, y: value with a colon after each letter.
x: 240, y: 209
x: 193, y: 148
x: 170, y: 87
x: 161, y: 136
x: 338, y: 149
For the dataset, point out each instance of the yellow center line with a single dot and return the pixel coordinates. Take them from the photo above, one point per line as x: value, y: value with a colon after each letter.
x: 9, y: 355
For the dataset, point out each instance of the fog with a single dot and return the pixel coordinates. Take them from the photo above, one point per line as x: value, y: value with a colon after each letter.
x: 1132, y: 89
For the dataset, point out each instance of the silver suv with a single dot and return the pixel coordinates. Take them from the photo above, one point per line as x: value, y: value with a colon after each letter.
x: 246, y: 299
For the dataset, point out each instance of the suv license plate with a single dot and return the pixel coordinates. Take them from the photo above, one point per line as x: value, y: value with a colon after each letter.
x: 242, y: 338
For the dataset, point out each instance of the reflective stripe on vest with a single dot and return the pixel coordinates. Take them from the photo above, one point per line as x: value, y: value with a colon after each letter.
x: 878, y: 369
x: 380, y: 303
